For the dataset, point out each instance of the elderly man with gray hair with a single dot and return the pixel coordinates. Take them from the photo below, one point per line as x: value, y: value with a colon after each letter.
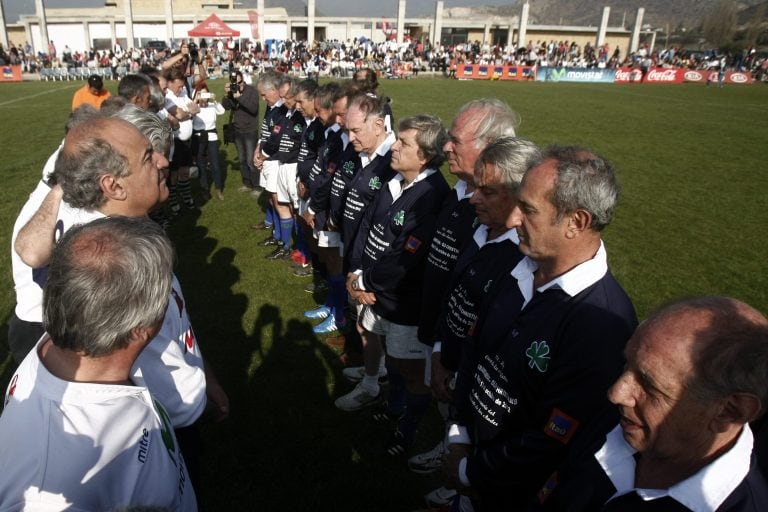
x: 107, y: 167
x: 387, y: 266
x: 477, y: 124
x: 696, y: 375
x: 548, y: 343
x: 78, y: 430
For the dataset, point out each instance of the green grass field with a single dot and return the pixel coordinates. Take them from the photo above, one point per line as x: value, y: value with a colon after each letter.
x: 693, y: 171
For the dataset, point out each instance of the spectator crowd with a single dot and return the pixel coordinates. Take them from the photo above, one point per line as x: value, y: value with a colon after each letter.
x: 334, y: 58
x: 492, y: 298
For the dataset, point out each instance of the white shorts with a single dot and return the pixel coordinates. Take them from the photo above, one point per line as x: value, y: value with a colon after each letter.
x: 402, y: 340
x: 269, y: 171
x: 286, y: 185
x: 328, y: 238
x: 303, y: 205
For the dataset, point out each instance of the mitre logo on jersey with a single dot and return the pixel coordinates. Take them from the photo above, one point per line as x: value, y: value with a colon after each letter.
x: 349, y: 167
x: 143, y: 446
x: 374, y: 183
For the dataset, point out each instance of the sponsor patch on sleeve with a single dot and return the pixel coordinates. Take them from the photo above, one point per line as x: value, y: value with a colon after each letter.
x: 412, y: 244
x: 547, y: 488
x: 560, y: 426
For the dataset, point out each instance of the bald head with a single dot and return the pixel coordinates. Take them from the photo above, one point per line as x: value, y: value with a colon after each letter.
x: 727, y: 343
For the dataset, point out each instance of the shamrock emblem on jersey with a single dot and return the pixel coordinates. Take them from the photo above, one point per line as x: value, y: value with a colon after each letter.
x: 165, y: 431
x: 538, y: 355
x: 375, y: 183
x: 311, y: 136
x: 349, y: 167
x: 297, y: 128
x: 475, y: 223
x: 399, y: 218
x: 488, y: 286
x: 326, y: 151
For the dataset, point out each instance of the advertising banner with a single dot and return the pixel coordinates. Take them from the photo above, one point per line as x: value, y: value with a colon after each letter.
x: 703, y: 76
x: 10, y: 73
x: 678, y: 76
x: 584, y: 75
x: 491, y: 72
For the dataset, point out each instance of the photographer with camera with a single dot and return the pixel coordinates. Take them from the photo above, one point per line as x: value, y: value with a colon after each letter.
x: 243, y: 101
x: 205, y: 140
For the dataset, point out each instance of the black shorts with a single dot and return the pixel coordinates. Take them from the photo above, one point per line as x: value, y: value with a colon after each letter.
x: 182, y: 154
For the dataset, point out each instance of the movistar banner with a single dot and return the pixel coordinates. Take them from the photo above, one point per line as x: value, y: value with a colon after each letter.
x: 593, y: 75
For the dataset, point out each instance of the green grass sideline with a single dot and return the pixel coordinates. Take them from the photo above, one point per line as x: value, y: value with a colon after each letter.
x: 691, y: 163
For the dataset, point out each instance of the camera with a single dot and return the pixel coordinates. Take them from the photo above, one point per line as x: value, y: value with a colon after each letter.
x: 233, y: 86
x: 193, y: 52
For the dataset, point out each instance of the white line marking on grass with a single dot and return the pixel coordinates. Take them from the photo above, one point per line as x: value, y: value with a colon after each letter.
x: 34, y: 96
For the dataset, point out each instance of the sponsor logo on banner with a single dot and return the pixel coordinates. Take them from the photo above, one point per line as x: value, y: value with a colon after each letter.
x: 669, y: 76
x: 626, y: 75
x: 693, y: 76
x: 739, y: 78
x: 575, y: 75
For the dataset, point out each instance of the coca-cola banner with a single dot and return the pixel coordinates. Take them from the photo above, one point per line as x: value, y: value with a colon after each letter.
x: 677, y: 76
x: 653, y: 76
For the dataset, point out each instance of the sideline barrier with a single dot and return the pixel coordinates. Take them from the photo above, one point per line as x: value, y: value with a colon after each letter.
x: 492, y: 72
x: 10, y: 73
x: 590, y: 75
x: 597, y: 75
x: 679, y: 76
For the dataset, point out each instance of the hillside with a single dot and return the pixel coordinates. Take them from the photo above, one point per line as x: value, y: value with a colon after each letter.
x: 589, y: 12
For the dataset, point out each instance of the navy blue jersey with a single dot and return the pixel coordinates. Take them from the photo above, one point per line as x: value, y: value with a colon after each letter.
x: 292, y: 127
x: 392, y: 245
x: 321, y: 175
x: 312, y: 140
x: 477, y: 272
x: 361, y: 192
x: 525, y: 391
x: 347, y: 167
x: 270, y: 130
x: 455, y: 224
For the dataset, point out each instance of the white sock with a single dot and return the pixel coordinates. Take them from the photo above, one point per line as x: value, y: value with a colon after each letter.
x: 371, y: 384
x: 383, y: 366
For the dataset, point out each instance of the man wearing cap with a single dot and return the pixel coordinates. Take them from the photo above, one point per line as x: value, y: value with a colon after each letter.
x: 92, y: 93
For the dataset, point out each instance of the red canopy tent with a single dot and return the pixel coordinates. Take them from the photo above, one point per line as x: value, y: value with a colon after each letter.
x: 213, y: 27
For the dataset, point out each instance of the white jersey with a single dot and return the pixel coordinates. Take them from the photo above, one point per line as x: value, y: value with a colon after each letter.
x: 172, y: 367
x: 182, y: 102
x: 86, y: 447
